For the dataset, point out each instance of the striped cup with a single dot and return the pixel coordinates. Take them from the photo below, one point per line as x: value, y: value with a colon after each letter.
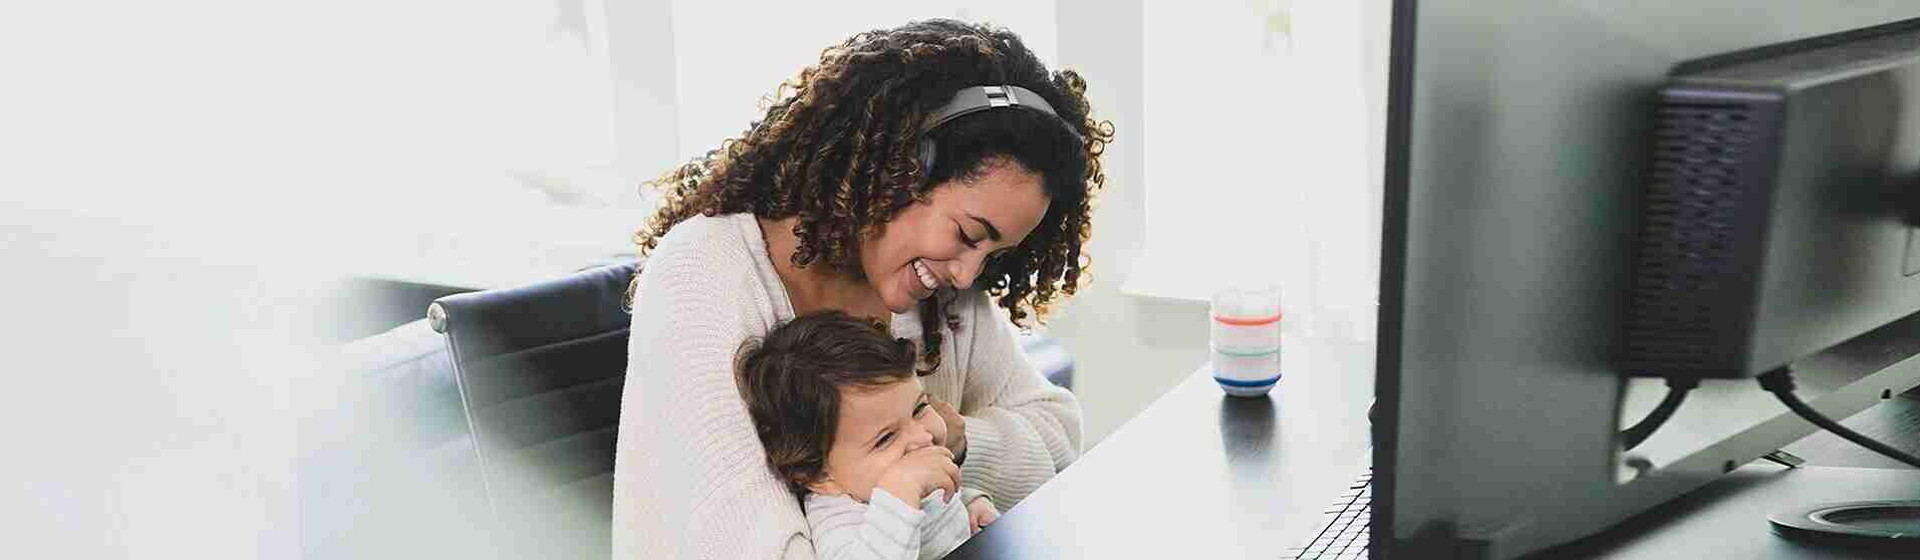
x: 1246, y: 340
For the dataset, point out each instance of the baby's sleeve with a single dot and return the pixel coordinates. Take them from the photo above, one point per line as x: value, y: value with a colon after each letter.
x: 946, y: 526
x: 885, y: 528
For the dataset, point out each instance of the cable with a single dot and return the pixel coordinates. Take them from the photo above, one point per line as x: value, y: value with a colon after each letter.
x: 1677, y: 388
x: 1780, y: 383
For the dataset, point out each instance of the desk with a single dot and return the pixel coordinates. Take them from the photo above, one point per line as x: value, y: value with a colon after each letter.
x: 1199, y: 474
x: 1202, y: 475
x: 1728, y: 518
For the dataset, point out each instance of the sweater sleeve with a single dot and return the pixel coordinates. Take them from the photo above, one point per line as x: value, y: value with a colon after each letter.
x: 968, y: 494
x: 690, y: 475
x: 1021, y: 429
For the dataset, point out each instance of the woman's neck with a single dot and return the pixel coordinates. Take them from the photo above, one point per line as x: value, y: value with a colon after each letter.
x: 817, y: 287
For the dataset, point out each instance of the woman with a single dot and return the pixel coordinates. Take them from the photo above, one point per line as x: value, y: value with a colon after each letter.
x: 828, y: 203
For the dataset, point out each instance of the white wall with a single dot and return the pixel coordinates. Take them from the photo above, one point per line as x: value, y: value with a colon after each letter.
x: 1307, y: 136
x: 646, y: 119
x: 1128, y: 350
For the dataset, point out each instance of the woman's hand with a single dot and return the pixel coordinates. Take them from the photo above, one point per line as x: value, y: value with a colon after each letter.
x: 956, y: 429
x: 980, y: 513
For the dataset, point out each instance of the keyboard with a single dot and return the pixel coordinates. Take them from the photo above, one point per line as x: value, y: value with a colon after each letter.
x: 1346, y: 531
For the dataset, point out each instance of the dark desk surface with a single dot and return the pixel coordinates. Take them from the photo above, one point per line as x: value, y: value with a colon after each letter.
x: 1202, y: 475
x: 1199, y: 474
x: 1728, y: 518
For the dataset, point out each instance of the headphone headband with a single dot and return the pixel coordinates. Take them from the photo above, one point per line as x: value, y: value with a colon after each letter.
x: 975, y: 99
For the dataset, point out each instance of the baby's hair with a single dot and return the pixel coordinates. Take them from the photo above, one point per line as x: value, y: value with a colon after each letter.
x: 791, y: 381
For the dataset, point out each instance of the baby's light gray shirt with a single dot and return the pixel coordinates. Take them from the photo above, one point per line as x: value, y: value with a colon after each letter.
x: 886, y: 528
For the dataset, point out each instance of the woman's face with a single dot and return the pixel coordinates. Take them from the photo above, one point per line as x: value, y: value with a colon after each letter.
x: 947, y: 241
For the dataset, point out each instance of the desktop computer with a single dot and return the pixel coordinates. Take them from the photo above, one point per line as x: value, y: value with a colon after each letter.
x: 1581, y: 196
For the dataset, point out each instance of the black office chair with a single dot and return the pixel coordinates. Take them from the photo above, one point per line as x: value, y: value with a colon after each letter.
x: 539, y: 370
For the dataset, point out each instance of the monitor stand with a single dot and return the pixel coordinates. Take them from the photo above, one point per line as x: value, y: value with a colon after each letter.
x: 1729, y: 518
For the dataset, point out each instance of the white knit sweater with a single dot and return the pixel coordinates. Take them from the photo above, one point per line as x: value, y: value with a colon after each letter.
x: 690, y: 477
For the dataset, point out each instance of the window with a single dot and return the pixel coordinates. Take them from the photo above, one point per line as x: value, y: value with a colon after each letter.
x: 517, y: 133
x: 492, y: 125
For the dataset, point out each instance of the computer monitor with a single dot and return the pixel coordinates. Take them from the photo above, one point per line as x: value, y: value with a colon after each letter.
x: 1520, y: 145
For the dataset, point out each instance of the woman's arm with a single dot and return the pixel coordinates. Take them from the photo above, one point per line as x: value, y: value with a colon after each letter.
x: 1020, y: 429
x: 690, y: 476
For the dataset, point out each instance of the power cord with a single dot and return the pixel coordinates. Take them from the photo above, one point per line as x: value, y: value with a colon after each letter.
x: 1677, y: 389
x: 1780, y: 383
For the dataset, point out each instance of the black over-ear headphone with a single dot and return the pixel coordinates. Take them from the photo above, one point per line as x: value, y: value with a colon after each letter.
x: 975, y: 99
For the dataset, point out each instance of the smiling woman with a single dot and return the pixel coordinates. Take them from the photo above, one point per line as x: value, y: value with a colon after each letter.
x: 849, y: 194
x: 947, y: 242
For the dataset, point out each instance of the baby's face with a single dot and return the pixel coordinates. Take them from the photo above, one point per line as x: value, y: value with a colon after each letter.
x: 878, y: 426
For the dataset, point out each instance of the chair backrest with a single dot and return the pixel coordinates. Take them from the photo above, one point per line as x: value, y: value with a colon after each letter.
x: 540, y: 370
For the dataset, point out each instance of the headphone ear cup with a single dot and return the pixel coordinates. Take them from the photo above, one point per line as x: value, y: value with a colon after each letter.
x: 926, y: 158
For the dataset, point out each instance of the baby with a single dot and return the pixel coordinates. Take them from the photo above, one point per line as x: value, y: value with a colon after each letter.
x: 840, y: 410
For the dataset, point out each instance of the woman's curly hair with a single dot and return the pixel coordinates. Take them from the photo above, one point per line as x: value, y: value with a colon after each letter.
x: 838, y: 145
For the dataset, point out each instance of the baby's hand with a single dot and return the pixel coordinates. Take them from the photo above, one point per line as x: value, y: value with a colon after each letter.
x: 920, y: 472
x: 980, y: 513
